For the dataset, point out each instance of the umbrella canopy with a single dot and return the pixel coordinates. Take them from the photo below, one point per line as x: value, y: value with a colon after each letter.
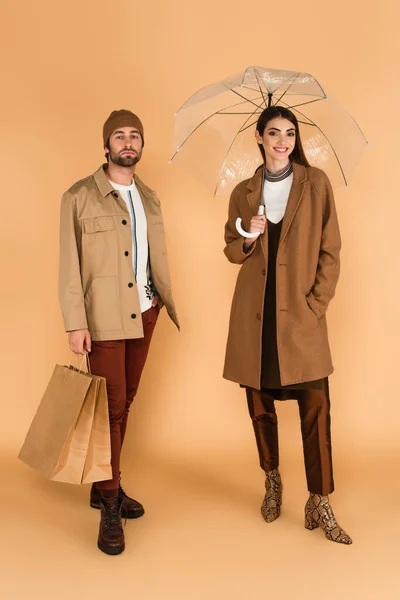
x: 221, y: 118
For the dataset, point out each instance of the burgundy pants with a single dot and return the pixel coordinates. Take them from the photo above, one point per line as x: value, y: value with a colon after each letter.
x: 314, y: 408
x: 121, y: 362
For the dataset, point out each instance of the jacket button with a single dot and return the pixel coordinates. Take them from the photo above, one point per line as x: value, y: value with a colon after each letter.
x: 126, y: 253
x: 130, y: 284
x: 133, y: 316
x: 123, y: 222
x: 258, y: 316
x: 264, y: 272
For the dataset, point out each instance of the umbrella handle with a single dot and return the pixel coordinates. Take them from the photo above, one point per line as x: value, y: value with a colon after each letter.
x: 261, y: 210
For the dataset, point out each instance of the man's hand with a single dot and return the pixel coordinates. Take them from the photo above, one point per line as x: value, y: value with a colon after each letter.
x: 157, y: 302
x: 257, y: 225
x: 79, y: 341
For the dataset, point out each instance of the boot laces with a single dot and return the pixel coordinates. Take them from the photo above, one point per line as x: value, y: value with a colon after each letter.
x: 113, y: 515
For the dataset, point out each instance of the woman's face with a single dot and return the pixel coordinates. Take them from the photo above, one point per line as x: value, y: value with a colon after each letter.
x: 278, y: 140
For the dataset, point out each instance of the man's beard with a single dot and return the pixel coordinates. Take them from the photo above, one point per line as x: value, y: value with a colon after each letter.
x: 125, y: 161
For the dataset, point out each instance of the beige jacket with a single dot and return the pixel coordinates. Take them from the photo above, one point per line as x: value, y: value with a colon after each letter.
x: 306, y: 277
x: 95, y: 276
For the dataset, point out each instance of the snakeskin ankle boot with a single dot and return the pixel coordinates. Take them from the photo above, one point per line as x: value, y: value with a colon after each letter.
x: 318, y: 513
x: 271, y: 506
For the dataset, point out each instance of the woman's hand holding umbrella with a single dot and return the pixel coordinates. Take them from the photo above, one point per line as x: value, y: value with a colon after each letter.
x: 257, y: 227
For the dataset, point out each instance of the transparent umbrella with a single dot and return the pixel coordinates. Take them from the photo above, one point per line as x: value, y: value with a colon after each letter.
x: 219, y: 121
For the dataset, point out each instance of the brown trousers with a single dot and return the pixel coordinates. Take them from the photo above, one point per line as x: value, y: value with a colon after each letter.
x: 121, y: 362
x: 314, y: 409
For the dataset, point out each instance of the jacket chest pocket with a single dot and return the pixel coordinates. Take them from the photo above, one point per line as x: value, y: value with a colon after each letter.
x: 98, y: 234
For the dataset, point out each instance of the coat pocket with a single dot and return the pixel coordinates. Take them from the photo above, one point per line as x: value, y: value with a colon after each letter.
x: 312, y: 321
x: 99, y: 235
x: 102, y: 305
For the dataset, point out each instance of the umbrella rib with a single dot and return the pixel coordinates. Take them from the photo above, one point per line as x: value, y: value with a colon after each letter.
x: 300, y: 113
x: 236, y: 113
x: 251, y: 124
x: 242, y: 129
x: 287, y: 103
x: 358, y: 127
x: 305, y: 123
x: 244, y: 97
x: 305, y: 103
x: 217, y: 112
x: 331, y: 145
x: 232, y: 106
x: 262, y: 93
x: 229, y: 149
x: 221, y: 111
x: 254, y: 123
x: 191, y: 133
x: 294, y: 77
x: 318, y: 83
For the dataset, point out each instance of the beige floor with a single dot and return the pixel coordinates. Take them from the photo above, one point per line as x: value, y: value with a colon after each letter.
x: 202, y: 535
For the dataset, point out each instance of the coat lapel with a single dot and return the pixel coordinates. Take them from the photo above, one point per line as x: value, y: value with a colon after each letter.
x: 255, y: 188
x: 295, y: 196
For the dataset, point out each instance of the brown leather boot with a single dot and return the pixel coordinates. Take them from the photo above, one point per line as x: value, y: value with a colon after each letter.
x: 111, y: 535
x: 131, y: 509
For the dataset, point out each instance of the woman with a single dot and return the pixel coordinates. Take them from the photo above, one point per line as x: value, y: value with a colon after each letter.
x: 278, y: 343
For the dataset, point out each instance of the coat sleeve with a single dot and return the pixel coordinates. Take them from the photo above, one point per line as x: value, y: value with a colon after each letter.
x: 234, y: 241
x: 69, y: 281
x: 328, y: 269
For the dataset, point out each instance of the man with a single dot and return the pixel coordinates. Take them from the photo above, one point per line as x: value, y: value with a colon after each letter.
x: 113, y: 280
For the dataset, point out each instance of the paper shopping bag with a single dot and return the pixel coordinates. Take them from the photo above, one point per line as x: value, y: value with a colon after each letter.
x: 58, y: 439
x: 98, y: 458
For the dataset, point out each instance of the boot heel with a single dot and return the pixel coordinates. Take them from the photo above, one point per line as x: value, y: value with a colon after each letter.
x: 310, y: 526
x: 309, y: 522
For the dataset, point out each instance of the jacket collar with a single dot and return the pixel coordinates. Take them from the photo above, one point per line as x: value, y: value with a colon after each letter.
x: 102, y: 182
x: 105, y: 187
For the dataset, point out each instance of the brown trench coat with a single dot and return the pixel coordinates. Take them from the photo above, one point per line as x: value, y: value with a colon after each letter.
x: 307, y: 273
x: 97, y: 287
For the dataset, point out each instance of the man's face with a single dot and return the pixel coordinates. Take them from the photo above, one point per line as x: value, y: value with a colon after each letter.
x: 125, y: 147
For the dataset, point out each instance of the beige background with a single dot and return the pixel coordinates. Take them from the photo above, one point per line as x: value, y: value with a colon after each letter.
x: 190, y: 455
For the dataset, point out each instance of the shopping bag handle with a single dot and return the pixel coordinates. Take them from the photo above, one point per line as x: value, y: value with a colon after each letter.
x: 85, y: 362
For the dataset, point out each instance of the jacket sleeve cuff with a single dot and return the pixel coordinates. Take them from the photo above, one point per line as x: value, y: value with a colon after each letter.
x: 236, y: 253
x: 250, y: 249
x: 75, y: 324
